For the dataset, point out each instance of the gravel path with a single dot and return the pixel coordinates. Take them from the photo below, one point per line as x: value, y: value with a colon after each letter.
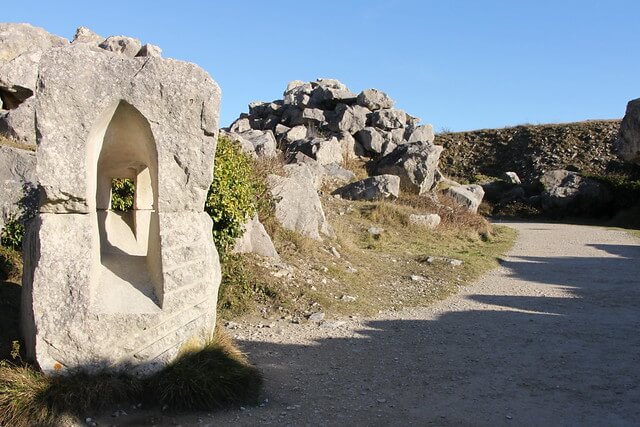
x: 552, y: 337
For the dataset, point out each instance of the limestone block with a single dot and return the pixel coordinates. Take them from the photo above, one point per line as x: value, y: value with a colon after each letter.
x: 430, y: 221
x: 85, y: 35
x: 374, y: 99
x: 255, y: 240
x: 469, y: 196
x: 628, y: 142
x: 92, y: 310
x: 19, y: 124
x: 127, y: 46
x: 150, y: 50
x: 373, y: 188
x: 415, y: 163
x: 85, y: 96
x: 388, y: 119
x: 17, y: 183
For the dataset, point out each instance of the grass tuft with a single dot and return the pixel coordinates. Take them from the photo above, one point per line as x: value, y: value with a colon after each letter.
x: 210, y: 377
x: 215, y: 376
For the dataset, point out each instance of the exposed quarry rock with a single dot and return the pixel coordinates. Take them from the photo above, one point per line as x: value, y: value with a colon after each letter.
x: 127, y: 46
x: 349, y: 119
x: 628, y: 143
x: 469, y: 196
x: 511, y: 178
x: 371, y: 140
x: 255, y: 240
x: 388, y: 119
x: 85, y: 35
x: 374, y: 99
x: 422, y: 133
x: 108, y: 290
x: 150, y: 50
x: 263, y: 143
x: 567, y: 192
x: 19, y: 124
x: 298, y: 206
x: 324, y: 151
x: 17, y: 184
x: 415, y: 163
x: 430, y: 221
x: 373, y: 188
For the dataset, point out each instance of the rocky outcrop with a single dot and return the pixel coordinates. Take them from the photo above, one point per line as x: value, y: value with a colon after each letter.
x: 415, y: 163
x: 628, y: 142
x: 373, y: 188
x: 297, y: 205
x: 18, y: 197
x: 469, y: 196
x: 567, y: 192
x: 255, y: 240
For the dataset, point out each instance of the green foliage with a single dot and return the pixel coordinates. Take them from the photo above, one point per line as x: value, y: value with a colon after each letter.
x: 12, y: 234
x: 122, y: 192
x: 234, y: 193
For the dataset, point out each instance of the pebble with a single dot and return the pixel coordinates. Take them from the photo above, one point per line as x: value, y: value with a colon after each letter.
x: 317, y: 317
x: 348, y: 298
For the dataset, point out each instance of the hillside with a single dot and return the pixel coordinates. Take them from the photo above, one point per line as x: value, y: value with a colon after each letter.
x: 530, y: 150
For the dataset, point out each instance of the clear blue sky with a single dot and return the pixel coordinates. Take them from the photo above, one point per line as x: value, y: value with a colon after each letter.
x: 456, y: 64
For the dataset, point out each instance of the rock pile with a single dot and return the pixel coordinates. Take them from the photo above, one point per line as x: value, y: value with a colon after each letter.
x: 323, y: 124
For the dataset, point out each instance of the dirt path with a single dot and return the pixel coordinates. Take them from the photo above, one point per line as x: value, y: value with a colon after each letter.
x: 552, y: 337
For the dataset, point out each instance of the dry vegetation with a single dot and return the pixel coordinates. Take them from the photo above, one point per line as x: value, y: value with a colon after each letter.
x: 6, y: 142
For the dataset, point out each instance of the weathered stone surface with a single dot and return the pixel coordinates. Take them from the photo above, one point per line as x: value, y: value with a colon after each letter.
x: 255, y: 240
x: 312, y: 115
x: 245, y: 145
x: 85, y: 35
x: 19, y: 124
x: 469, y: 196
x: 430, y: 221
x: 388, y: 118
x: 567, y: 192
x: 240, y: 125
x: 103, y: 289
x: 628, y: 143
x: 313, y: 169
x: 263, y: 141
x: 99, y: 84
x: 422, y: 133
x: 334, y: 172
x: 372, y: 188
x: 330, y: 92
x: 17, y: 183
x: 298, y: 206
x: 298, y: 94
x: 296, y: 133
x: 349, y: 119
x: 324, y: 151
x: 511, y: 178
x: 73, y: 316
x: 371, y: 140
x: 127, y: 46
x: 150, y: 50
x: 415, y: 163
x: 374, y: 99
x: 348, y: 144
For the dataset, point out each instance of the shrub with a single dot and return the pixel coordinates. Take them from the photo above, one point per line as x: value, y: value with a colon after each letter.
x: 12, y: 234
x: 234, y: 193
x: 122, y: 191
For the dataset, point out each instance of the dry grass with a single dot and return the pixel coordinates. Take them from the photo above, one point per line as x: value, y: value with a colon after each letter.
x: 209, y: 377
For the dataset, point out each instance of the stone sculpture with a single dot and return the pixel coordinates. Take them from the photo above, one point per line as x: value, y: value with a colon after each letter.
x: 104, y: 289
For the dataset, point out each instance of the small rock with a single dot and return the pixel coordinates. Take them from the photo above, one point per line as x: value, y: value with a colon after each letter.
x: 351, y: 270
x: 382, y: 400
x: 348, y: 298
x: 375, y: 231
x: 416, y: 278
x: 335, y: 252
x: 232, y: 325
x: 316, y: 317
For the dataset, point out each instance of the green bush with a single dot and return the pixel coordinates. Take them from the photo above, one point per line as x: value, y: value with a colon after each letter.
x: 234, y: 193
x: 122, y: 191
x: 12, y: 234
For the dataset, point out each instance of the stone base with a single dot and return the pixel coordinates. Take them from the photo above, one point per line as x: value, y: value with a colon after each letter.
x: 108, y: 323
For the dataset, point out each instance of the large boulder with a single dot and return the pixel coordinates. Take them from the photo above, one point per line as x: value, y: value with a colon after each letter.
x: 422, y: 133
x: 255, y: 240
x: 372, y: 188
x: 262, y: 143
x: 568, y: 192
x: 18, y: 196
x: 388, y: 119
x: 371, y: 139
x: 21, y: 47
x: 324, y: 151
x: 415, y: 163
x: 19, y: 124
x: 374, y: 99
x: 469, y: 196
x: 297, y: 205
x: 349, y: 119
x: 429, y: 221
x: 628, y: 143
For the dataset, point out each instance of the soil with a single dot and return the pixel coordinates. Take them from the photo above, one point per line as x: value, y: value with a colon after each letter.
x: 548, y: 338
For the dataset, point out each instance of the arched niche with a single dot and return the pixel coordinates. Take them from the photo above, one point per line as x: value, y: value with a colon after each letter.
x: 127, y: 274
